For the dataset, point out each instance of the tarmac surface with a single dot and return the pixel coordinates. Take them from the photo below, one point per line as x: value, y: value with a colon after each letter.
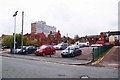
x: 68, y: 61
x: 110, y: 59
x: 23, y: 68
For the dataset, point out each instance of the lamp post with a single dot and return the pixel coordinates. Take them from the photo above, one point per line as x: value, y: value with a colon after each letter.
x: 15, y: 29
x: 22, y: 31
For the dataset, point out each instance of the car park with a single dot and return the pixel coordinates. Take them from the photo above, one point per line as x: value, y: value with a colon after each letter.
x: 45, y: 50
x: 71, y: 51
x: 61, y: 46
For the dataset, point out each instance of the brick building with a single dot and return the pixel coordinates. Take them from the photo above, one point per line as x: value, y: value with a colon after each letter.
x: 41, y: 38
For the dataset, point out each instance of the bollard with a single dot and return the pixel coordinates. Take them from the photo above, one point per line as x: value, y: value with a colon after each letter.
x: 93, y: 54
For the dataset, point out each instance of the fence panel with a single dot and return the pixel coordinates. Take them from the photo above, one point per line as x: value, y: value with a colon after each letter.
x: 100, y: 51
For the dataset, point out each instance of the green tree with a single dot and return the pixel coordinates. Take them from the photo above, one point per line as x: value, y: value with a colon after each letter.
x: 25, y: 41
x: 76, y: 38
x: 9, y: 41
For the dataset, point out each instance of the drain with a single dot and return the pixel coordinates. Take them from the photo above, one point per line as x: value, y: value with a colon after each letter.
x: 61, y: 75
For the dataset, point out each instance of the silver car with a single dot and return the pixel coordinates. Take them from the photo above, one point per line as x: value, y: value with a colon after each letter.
x: 61, y: 46
x: 71, y: 51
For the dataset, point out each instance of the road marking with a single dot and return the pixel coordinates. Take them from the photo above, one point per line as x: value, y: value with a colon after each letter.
x: 114, y: 64
x: 101, y: 58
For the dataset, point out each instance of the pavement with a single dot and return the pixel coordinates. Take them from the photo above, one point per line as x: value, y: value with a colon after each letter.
x: 111, y: 59
x: 68, y: 61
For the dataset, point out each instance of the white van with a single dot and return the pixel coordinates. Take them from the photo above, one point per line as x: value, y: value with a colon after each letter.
x: 82, y: 44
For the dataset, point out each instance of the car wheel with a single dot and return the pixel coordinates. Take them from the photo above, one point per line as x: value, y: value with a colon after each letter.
x: 63, y: 56
x: 36, y: 54
x: 53, y: 52
x: 69, y: 55
x: 80, y: 52
x: 73, y: 54
x: 43, y: 54
x: 26, y: 52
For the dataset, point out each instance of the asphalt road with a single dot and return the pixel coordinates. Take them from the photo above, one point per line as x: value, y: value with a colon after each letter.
x: 22, y: 68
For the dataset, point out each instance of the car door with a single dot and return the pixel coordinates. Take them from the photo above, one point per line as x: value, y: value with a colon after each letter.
x: 51, y: 49
x: 76, y: 51
x: 30, y: 49
x: 47, y: 50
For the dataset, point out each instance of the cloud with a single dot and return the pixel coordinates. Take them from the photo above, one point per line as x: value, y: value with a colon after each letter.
x: 82, y: 17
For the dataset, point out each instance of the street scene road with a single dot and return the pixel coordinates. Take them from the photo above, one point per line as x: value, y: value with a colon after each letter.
x: 31, y: 66
x: 63, y: 39
x: 21, y: 68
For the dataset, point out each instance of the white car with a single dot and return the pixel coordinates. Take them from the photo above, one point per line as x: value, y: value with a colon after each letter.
x: 71, y: 51
x: 16, y: 51
x: 61, y: 46
x: 82, y: 44
x: 96, y: 45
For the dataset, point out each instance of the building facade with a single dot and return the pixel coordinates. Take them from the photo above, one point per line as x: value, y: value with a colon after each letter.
x: 40, y: 26
x: 33, y: 27
x: 41, y: 38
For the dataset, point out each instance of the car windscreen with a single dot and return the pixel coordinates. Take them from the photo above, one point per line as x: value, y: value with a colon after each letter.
x: 43, y: 47
x: 59, y: 44
x: 70, y: 48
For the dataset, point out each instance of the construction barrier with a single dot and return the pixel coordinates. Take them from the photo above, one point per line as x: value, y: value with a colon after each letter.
x: 100, y: 51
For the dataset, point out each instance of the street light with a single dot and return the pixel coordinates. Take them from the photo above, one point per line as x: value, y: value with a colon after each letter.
x: 15, y: 29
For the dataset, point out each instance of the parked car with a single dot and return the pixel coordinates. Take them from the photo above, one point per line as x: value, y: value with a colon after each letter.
x: 45, y: 50
x: 96, y: 45
x: 5, y: 47
x: 61, y: 46
x: 82, y: 44
x: 16, y: 50
x: 27, y: 50
x: 71, y: 51
x: 107, y: 43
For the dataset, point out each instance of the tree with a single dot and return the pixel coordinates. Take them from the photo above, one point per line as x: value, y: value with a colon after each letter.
x: 25, y: 41
x: 9, y: 40
x: 76, y: 38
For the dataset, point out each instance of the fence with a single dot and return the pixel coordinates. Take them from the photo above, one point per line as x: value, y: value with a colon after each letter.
x: 100, y: 51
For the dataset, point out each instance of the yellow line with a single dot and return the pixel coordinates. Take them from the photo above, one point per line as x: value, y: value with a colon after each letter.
x: 101, y: 58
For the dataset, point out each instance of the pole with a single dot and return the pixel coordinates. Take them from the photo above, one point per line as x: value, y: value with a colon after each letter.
x: 67, y: 38
x: 22, y: 31
x: 15, y: 30
x: 14, y: 33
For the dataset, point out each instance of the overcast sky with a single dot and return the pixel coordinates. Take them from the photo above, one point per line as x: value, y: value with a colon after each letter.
x: 82, y: 17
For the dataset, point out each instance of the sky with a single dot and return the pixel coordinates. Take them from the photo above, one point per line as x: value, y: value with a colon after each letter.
x: 72, y: 17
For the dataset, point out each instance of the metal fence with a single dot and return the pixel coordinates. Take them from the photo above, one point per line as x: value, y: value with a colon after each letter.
x: 100, y: 51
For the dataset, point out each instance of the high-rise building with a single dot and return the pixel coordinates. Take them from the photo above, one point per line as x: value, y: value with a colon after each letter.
x: 40, y: 26
x: 33, y: 27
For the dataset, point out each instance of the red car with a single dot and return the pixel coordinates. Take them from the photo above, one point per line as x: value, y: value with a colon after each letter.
x: 45, y: 50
